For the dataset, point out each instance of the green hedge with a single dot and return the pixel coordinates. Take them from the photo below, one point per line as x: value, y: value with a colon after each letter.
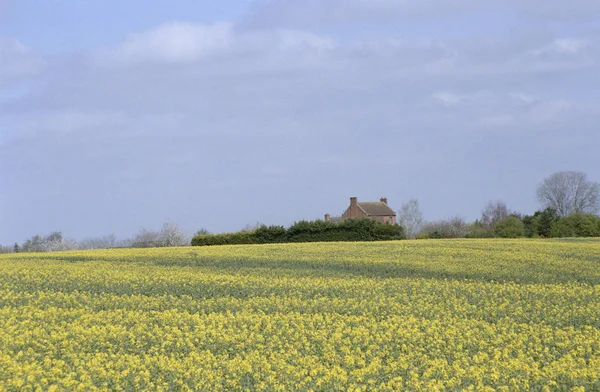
x: 577, y: 225
x: 241, y: 237
x: 308, y: 231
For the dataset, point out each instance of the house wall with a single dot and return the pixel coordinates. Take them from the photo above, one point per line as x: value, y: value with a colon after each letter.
x: 354, y: 210
x: 385, y: 219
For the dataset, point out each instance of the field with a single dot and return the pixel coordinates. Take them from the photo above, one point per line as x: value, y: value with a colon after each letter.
x: 413, y: 315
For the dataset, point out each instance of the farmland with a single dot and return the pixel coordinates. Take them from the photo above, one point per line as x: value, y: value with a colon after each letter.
x: 415, y: 315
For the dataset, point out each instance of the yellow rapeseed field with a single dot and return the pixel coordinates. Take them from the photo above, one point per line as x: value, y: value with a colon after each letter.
x: 476, y: 315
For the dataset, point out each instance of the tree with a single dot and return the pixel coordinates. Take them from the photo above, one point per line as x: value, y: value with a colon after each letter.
x: 146, y: 239
x: 478, y: 230
x: 452, y: 228
x: 105, y: 242
x: 493, y: 213
x: 542, y: 223
x: 172, y: 235
x: 53, y: 242
x: 202, y: 231
x: 16, y: 248
x: 578, y: 224
x: 411, y: 217
x: 509, y: 227
x: 169, y: 235
x: 569, y: 192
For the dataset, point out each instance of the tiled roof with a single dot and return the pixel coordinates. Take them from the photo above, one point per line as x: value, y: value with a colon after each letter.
x: 376, y: 208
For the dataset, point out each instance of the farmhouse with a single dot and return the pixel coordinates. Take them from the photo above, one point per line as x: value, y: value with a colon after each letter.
x: 377, y: 210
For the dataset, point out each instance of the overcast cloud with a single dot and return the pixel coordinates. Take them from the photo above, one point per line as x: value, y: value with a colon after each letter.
x: 283, y: 113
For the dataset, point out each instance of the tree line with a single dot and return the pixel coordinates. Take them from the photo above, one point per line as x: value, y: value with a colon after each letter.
x: 569, y: 207
x: 170, y: 234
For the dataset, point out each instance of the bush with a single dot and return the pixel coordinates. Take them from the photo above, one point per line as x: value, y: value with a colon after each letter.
x: 578, y: 224
x: 269, y: 234
x: 540, y: 224
x: 306, y: 231
x: 346, y: 230
x: 238, y: 238
x: 510, y: 227
x: 479, y: 230
x: 452, y: 228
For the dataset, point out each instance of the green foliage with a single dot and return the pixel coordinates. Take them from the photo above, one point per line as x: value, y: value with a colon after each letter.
x: 530, y: 225
x: 540, y: 223
x: 547, y: 219
x: 269, y: 235
x: 578, y: 224
x: 347, y: 230
x: 238, y: 238
x: 308, y: 231
x: 510, y: 227
x: 478, y: 230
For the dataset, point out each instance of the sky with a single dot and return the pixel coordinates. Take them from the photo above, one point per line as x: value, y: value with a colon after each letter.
x: 121, y: 115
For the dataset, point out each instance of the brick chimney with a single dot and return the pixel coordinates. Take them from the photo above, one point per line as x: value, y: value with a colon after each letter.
x: 326, y: 217
x: 353, y: 201
x: 383, y: 200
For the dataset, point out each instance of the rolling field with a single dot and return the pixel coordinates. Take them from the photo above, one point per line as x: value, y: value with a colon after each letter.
x: 409, y: 315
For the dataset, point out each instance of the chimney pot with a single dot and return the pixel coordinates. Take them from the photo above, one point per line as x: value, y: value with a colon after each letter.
x: 353, y: 201
x: 383, y: 200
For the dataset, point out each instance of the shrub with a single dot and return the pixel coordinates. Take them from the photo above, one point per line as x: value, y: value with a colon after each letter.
x: 307, y: 231
x: 479, y: 230
x: 510, y: 227
x: 269, y: 234
x: 238, y: 238
x: 452, y: 228
x: 578, y: 224
x: 540, y: 224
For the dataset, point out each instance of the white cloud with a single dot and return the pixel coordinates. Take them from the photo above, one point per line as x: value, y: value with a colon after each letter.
x: 449, y: 99
x: 566, y: 46
x: 180, y: 42
x: 454, y: 99
x: 173, y: 42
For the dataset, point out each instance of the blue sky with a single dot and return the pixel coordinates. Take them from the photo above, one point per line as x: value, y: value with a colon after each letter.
x: 120, y: 115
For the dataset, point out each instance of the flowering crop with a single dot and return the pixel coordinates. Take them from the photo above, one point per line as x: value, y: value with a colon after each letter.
x: 409, y: 315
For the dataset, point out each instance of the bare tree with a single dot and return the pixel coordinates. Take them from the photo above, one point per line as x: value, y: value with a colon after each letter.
x: 169, y: 235
x: 493, y: 213
x: 569, y: 192
x: 146, y: 239
x: 455, y: 227
x: 106, y: 242
x: 411, y: 217
x: 172, y: 235
x: 53, y: 242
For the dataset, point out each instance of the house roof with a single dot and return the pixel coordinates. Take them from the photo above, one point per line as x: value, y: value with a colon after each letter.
x: 376, y: 208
